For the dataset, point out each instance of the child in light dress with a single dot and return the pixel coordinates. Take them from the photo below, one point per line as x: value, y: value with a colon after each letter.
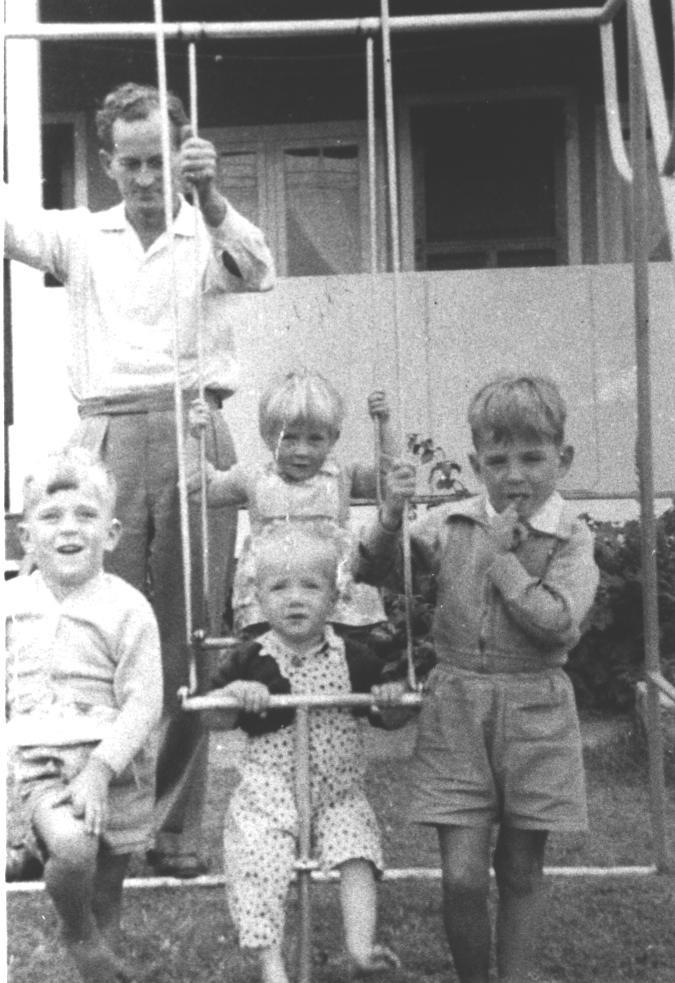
x: 300, y: 416
x: 84, y: 694
x: 296, y: 570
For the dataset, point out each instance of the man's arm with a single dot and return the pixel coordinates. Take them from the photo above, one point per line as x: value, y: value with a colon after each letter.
x: 244, y: 261
x: 38, y: 237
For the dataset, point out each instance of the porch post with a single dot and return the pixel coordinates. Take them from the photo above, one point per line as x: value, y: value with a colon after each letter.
x: 24, y: 171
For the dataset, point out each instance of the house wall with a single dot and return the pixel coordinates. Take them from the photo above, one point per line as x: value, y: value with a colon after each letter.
x: 456, y: 330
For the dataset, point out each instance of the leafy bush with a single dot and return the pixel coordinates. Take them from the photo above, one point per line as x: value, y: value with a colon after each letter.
x: 608, y: 660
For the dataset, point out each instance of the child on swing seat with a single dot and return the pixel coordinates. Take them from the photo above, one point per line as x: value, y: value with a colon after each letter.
x: 84, y: 695
x: 300, y: 416
x: 498, y: 740
x: 296, y: 569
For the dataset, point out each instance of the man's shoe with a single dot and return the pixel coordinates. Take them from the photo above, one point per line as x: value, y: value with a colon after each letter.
x: 183, y: 865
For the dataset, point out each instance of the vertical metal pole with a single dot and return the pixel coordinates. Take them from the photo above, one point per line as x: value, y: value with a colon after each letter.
x: 304, y: 863
x: 204, y: 512
x: 638, y: 131
x: 372, y: 216
x: 372, y: 176
x: 391, y: 140
x: 396, y: 269
x: 178, y: 392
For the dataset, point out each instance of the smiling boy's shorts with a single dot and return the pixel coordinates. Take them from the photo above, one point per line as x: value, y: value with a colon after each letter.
x: 44, y: 772
x: 499, y: 748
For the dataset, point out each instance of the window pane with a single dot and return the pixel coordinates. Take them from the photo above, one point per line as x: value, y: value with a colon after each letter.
x: 323, y: 223
x: 457, y: 261
x: 526, y: 257
x: 58, y: 169
x: 488, y: 172
x: 238, y: 180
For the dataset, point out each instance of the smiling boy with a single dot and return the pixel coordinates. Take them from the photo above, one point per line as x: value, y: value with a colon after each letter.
x: 498, y: 739
x: 130, y: 287
x: 84, y: 697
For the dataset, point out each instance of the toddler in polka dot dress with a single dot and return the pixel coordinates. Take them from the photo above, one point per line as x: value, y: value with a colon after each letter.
x: 296, y: 570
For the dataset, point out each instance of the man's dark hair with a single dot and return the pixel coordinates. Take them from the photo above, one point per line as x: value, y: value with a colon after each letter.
x: 131, y: 102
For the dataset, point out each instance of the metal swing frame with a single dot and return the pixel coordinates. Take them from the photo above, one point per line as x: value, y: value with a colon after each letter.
x: 646, y: 94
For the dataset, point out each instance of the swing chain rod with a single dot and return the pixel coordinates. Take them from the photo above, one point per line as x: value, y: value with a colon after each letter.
x: 392, y: 185
x: 178, y: 392
x: 203, y: 503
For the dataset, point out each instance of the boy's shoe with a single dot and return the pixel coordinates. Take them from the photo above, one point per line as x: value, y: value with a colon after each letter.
x: 183, y: 865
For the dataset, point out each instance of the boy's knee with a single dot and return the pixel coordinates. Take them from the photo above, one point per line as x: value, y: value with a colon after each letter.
x: 68, y: 843
x: 466, y: 885
x: 519, y: 874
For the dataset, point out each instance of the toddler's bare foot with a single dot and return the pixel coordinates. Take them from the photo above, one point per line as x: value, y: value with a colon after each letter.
x: 95, y: 962
x: 272, y: 967
x: 379, y: 960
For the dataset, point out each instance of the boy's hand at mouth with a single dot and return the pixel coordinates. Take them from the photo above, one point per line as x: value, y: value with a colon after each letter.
x: 507, y: 530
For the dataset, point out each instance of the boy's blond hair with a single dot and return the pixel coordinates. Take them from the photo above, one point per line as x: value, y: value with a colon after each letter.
x: 299, y: 397
x: 290, y: 540
x: 65, y: 469
x: 511, y: 406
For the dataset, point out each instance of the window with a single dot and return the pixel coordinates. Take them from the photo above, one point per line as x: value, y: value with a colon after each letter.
x: 489, y: 183
x: 63, y: 168
x: 307, y: 187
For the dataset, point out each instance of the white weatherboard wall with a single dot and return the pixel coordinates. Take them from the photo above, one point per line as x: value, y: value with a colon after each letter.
x: 457, y: 329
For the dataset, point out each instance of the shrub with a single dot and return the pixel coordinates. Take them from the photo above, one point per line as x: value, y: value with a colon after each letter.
x: 608, y: 660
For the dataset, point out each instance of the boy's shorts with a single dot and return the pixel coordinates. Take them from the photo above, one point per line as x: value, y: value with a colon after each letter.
x: 499, y: 748
x: 43, y: 773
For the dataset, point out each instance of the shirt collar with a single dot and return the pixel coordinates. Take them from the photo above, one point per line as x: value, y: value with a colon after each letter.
x: 284, y: 654
x: 115, y: 220
x: 548, y: 519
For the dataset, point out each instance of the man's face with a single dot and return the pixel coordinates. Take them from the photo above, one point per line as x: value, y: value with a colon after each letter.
x: 67, y: 534
x: 135, y: 165
x: 297, y: 597
x: 522, y: 472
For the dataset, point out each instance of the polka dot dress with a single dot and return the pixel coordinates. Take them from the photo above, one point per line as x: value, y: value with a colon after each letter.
x: 261, y: 825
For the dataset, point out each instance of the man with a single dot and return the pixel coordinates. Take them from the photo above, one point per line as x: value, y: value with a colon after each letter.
x: 127, y: 287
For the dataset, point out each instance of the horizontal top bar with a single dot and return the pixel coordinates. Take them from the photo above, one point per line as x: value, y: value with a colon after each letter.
x: 201, y: 30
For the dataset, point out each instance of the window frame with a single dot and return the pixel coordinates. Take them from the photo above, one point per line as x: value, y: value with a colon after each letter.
x: 78, y: 121
x: 568, y: 190
x: 269, y: 142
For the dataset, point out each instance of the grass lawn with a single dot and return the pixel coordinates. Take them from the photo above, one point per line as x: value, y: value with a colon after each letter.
x: 609, y: 930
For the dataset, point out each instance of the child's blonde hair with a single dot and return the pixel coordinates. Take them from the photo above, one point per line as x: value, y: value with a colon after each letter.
x: 71, y: 467
x: 518, y: 406
x: 289, y: 540
x: 299, y: 397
